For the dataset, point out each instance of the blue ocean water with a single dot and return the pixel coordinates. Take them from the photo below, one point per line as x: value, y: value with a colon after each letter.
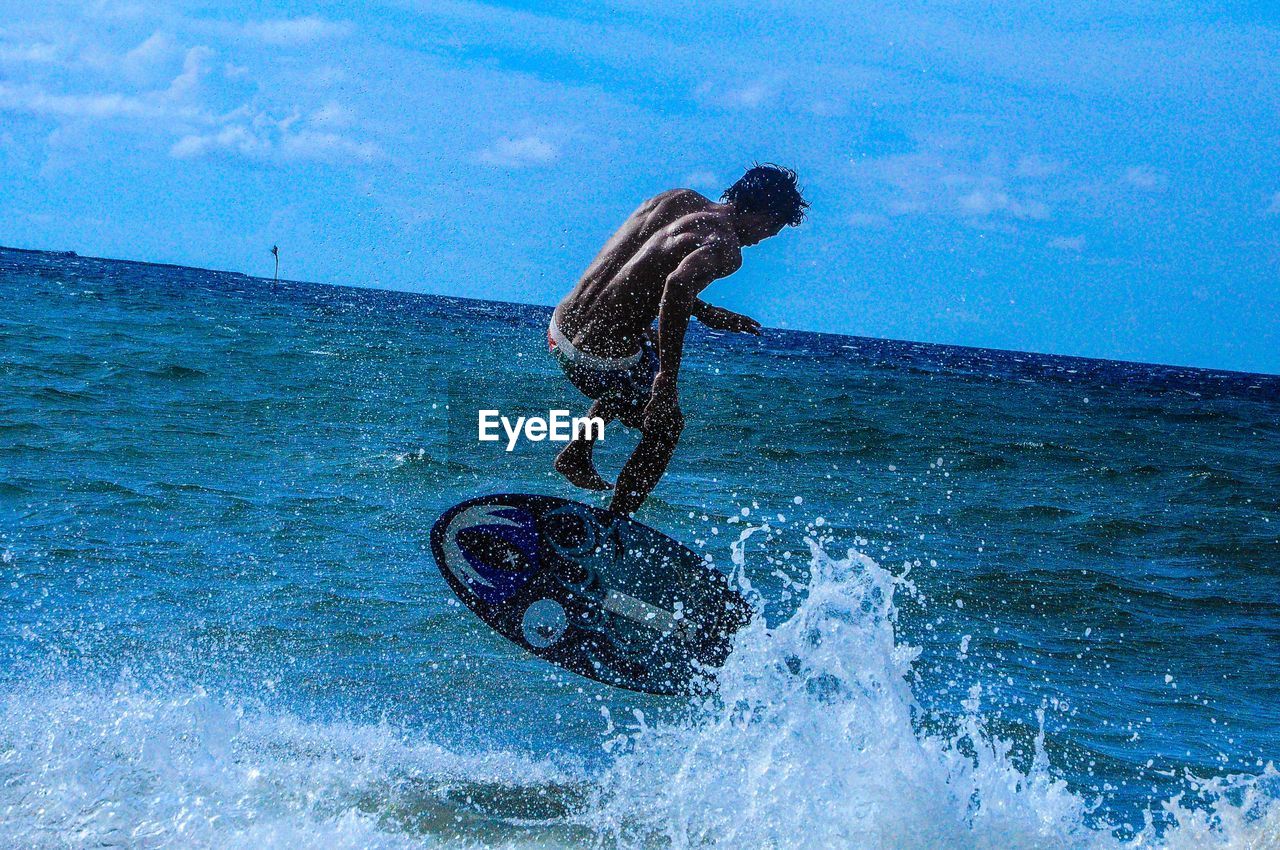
x: 1007, y: 600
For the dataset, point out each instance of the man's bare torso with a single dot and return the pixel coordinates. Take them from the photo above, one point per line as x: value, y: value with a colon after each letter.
x: 618, y: 296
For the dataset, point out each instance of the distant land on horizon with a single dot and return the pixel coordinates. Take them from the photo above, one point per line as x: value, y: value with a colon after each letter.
x: 1207, y: 370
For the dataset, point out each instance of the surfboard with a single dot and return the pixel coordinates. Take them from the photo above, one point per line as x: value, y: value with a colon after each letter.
x: 594, y: 592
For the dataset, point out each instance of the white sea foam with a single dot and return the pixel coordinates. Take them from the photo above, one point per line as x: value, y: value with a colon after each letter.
x: 812, y: 741
x: 412, y: 456
x: 128, y: 769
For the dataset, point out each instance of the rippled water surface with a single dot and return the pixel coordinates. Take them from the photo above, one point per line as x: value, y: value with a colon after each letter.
x: 1007, y: 600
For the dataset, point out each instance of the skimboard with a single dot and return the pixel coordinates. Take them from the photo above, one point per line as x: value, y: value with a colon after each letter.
x: 594, y: 592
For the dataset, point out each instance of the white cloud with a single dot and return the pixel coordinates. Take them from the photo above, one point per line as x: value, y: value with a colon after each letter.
x: 184, y: 110
x: 235, y: 138
x: 1143, y: 177
x: 702, y: 179
x: 176, y: 101
x: 867, y: 220
x: 291, y: 32
x: 1068, y: 243
x: 944, y: 182
x: 258, y: 136
x: 327, y: 147
x: 332, y: 114
x: 826, y: 107
x: 736, y: 95
x: 145, y: 59
x: 1037, y: 167
x: 195, y: 66
x: 97, y: 106
x: 42, y: 53
x: 990, y: 199
x: 509, y: 152
x: 749, y: 96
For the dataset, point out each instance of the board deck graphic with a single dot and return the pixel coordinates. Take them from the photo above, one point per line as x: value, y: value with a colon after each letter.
x: 594, y: 592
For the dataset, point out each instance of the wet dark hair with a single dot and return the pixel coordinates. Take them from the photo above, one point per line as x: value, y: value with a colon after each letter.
x: 771, y: 189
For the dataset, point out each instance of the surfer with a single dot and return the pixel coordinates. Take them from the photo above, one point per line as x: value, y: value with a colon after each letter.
x: 653, y: 268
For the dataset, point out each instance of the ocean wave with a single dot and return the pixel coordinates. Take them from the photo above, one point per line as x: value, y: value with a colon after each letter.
x: 129, y: 768
x: 420, y: 458
x: 1032, y: 514
x: 814, y: 740
x: 176, y: 371
x: 61, y: 394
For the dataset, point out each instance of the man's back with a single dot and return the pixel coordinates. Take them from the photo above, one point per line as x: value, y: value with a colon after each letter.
x: 618, y: 296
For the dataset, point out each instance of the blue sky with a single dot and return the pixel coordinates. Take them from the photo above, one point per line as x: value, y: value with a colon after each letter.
x: 1093, y: 177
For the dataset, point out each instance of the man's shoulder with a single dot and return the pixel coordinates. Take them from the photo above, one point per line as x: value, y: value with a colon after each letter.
x: 682, y: 197
x: 690, y: 221
x: 711, y: 238
x: 707, y: 228
x: 675, y: 205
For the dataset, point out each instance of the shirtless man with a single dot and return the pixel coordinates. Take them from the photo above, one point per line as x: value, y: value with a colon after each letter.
x: 654, y: 267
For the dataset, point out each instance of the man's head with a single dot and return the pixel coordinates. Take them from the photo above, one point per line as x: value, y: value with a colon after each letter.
x: 765, y: 200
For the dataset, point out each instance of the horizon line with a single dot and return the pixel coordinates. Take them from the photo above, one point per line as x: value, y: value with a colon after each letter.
x: 273, y: 281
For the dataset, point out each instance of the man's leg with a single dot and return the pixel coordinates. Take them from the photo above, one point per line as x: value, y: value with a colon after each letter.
x: 574, y: 461
x: 647, y: 464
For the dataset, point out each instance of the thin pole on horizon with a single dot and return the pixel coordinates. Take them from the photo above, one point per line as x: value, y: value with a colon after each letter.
x: 275, y: 252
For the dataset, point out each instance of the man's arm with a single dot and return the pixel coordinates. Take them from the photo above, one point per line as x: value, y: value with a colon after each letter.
x: 679, y: 297
x: 720, y: 319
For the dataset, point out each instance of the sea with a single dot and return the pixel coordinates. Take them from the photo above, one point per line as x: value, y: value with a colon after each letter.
x: 1004, y: 600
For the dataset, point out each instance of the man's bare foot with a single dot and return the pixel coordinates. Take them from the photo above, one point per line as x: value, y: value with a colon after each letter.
x: 575, y: 464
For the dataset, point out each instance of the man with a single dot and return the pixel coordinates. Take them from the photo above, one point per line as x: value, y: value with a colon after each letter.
x: 654, y: 267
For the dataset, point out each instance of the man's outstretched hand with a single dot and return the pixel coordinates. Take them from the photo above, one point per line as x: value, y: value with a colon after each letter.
x: 720, y: 319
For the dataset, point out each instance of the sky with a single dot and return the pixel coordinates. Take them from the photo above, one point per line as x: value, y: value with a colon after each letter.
x: 1092, y: 177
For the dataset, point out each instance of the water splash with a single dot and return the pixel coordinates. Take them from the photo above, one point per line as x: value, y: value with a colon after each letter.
x: 132, y: 769
x: 814, y: 740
